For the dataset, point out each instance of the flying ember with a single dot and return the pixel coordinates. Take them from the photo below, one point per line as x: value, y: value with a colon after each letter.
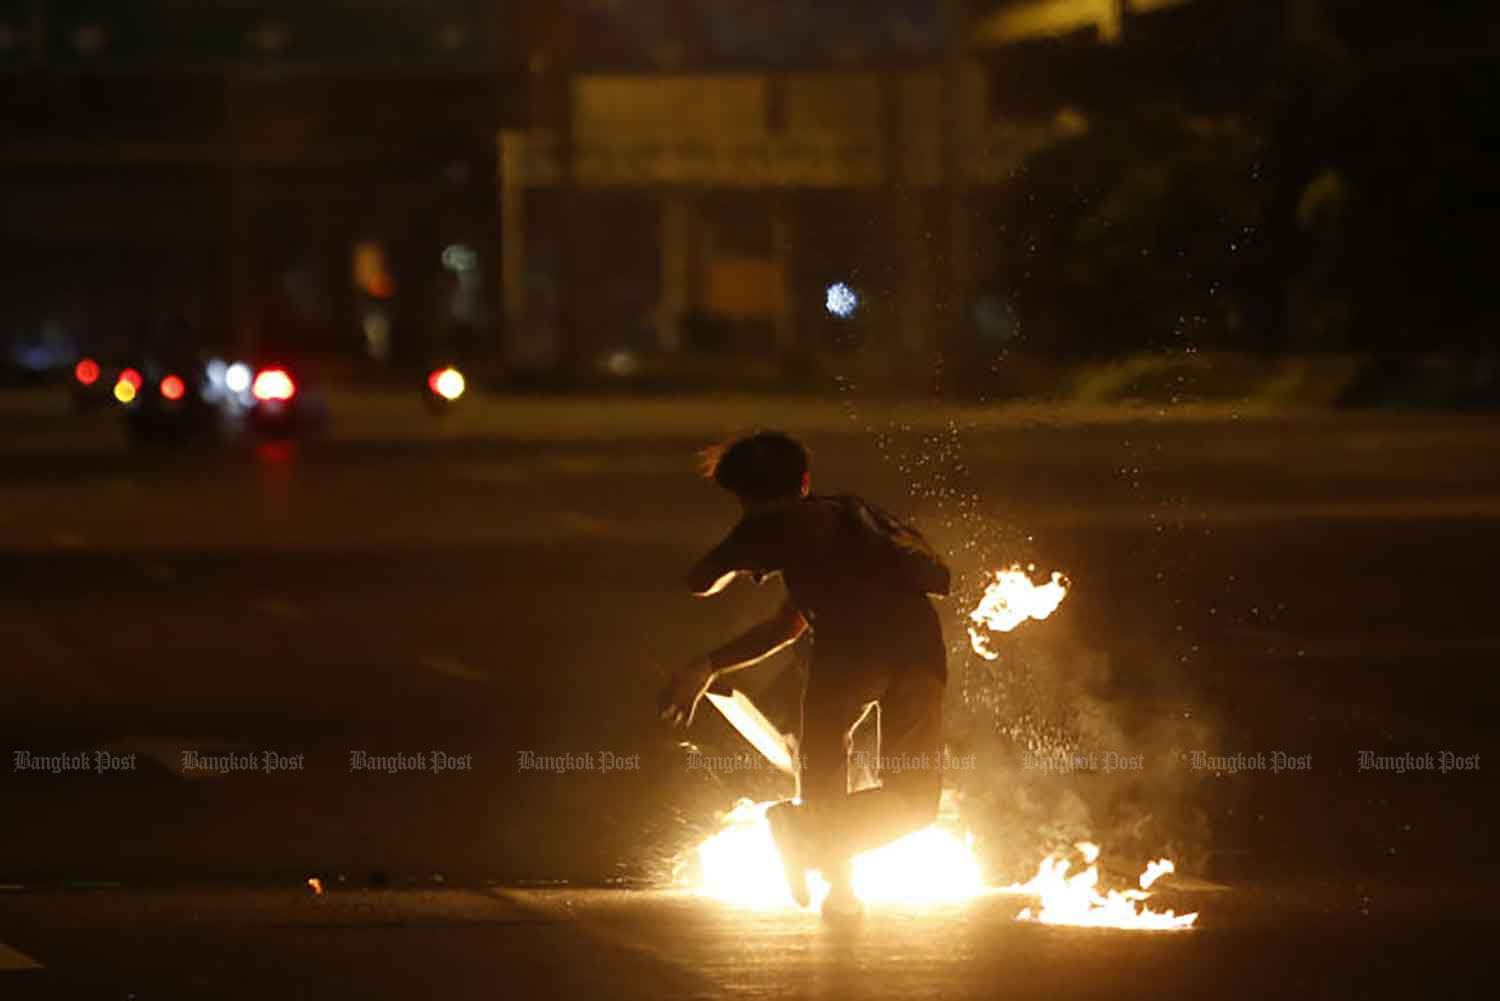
x: 1076, y: 900
x: 1009, y: 600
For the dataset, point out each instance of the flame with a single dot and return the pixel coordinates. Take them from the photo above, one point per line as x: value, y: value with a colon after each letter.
x: 1009, y: 600
x: 739, y: 865
x: 1075, y: 900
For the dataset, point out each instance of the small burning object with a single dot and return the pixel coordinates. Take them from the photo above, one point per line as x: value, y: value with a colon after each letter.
x: 315, y: 885
x: 1009, y: 600
x: 1076, y: 900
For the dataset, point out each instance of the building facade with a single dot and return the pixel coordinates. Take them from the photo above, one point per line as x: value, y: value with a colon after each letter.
x: 688, y: 202
x: 271, y: 176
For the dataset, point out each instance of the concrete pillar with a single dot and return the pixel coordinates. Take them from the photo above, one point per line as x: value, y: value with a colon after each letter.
x: 912, y: 227
x: 784, y: 253
x: 908, y: 229
x: 953, y: 302
x: 512, y: 240
x: 238, y: 232
x: 568, y: 340
x: 676, y: 266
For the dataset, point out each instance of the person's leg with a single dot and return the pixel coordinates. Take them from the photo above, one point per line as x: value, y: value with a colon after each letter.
x: 832, y: 705
x: 788, y: 822
x: 911, y: 763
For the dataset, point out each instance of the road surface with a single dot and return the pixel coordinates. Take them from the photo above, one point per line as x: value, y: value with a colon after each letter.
x: 1307, y: 588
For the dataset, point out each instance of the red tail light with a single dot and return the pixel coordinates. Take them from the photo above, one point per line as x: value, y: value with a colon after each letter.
x: 86, y: 371
x: 273, y: 384
x: 447, y: 383
x: 172, y: 388
x: 132, y: 377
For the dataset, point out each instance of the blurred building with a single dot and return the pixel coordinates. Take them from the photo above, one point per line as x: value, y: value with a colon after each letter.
x: 572, y: 186
x: 268, y: 174
x: 695, y: 177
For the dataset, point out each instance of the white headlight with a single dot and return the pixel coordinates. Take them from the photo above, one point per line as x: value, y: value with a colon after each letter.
x: 237, y: 377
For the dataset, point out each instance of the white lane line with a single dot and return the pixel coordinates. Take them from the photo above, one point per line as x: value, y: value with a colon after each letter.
x: 279, y: 607
x: 502, y: 473
x: 12, y: 959
x: 172, y: 754
x: 550, y: 907
x: 450, y: 668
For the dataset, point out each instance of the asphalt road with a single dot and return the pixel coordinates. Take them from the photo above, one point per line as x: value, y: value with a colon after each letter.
x: 237, y: 944
x: 1246, y: 590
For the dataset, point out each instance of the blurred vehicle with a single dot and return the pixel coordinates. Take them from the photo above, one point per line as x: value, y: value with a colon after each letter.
x: 173, y: 401
x: 445, y: 386
x: 275, y: 398
x: 93, y: 382
x: 163, y: 402
x: 33, y: 356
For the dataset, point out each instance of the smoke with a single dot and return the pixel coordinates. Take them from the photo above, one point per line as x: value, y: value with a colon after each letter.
x: 1059, y: 740
x: 1061, y: 753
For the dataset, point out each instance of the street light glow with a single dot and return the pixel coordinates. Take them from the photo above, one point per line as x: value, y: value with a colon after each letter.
x: 841, y: 300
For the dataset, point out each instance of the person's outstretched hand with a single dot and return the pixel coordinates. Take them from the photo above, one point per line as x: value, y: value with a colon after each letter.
x: 679, y: 700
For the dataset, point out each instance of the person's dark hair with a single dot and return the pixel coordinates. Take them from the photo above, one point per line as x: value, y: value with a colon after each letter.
x: 765, y: 466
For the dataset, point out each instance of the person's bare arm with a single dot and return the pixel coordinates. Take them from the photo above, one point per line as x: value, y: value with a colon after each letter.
x: 712, y: 574
x: 680, y: 699
x: 760, y: 641
x: 743, y: 550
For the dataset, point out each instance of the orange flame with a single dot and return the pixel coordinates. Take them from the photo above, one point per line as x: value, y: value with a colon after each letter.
x: 1076, y: 900
x: 740, y: 866
x: 1009, y: 600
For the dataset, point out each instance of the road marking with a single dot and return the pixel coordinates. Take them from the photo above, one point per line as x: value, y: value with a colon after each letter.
x: 158, y: 572
x: 65, y: 539
x: 1242, y: 513
x: 503, y: 473
x: 169, y: 752
x: 280, y: 608
x: 549, y: 908
x: 451, y: 668
x: 12, y: 959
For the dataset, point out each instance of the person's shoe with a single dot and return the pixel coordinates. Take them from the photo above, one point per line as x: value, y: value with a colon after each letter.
x: 841, y: 904
x: 792, y: 848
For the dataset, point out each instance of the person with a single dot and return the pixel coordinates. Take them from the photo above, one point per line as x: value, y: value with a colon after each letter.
x: 859, y: 578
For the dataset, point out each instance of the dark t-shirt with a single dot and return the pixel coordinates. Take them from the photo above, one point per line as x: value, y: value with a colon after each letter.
x: 858, y: 574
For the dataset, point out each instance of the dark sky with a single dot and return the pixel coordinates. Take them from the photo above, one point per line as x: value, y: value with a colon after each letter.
x: 106, y: 33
